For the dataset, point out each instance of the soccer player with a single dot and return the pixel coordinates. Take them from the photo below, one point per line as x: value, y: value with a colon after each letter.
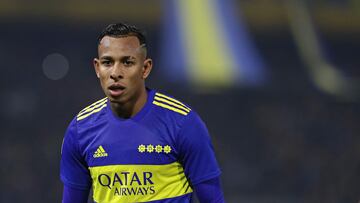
x: 136, y: 144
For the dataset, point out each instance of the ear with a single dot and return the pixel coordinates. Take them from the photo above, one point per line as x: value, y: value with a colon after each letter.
x: 147, y: 68
x: 96, y: 63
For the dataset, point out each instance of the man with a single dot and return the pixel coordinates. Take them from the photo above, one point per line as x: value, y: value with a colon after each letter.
x: 136, y: 145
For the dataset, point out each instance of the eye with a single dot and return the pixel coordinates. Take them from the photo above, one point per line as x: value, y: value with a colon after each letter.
x: 106, y: 62
x: 128, y: 62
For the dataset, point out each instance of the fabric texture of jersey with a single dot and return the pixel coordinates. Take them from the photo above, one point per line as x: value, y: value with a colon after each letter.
x: 155, y: 156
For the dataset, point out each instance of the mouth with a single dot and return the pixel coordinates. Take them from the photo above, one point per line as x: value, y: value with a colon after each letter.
x: 116, y: 89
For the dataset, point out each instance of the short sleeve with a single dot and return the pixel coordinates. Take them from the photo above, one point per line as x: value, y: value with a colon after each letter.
x: 196, y: 150
x: 74, y: 172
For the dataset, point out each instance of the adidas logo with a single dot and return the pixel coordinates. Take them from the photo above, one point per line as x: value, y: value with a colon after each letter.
x: 100, y: 152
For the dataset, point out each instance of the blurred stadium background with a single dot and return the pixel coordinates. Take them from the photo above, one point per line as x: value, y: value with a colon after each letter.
x: 277, y: 83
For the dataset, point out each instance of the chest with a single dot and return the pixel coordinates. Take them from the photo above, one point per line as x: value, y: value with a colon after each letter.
x: 130, y: 143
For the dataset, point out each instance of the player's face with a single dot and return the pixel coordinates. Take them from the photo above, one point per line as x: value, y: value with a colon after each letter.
x: 122, y: 68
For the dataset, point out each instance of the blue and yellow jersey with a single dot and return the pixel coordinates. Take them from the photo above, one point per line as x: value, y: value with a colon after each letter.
x: 155, y: 156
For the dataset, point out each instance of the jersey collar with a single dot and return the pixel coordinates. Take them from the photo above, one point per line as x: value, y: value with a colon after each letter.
x: 140, y: 114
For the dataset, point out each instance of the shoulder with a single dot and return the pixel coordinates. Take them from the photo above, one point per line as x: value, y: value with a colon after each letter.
x: 92, y: 112
x: 171, y: 105
x: 88, y: 118
x: 174, y: 112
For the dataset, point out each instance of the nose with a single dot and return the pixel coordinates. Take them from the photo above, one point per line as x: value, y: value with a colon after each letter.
x: 117, y: 72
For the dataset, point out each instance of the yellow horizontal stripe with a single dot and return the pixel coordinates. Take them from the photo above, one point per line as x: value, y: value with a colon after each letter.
x: 172, y: 99
x: 171, y: 103
x: 91, y: 107
x: 170, y: 108
x: 138, y: 183
x: 94, y: 111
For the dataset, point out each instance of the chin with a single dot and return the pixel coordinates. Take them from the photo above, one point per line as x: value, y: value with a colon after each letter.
x: 119, y: 100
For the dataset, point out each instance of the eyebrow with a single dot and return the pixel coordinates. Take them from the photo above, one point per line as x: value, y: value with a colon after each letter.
x: 106, y: 57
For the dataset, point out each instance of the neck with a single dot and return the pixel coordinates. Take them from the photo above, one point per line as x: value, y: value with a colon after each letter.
x: 130, y: 108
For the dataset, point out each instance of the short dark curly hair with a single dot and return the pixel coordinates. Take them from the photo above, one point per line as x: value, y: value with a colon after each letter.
x: 122, y: 30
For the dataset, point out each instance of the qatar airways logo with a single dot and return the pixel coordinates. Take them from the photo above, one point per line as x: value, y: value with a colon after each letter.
x: 127, y: 183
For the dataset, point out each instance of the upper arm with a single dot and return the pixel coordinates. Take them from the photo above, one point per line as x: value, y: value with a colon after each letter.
x: 74, y: 172
x: 196, y: 150
x: 71, y: 195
